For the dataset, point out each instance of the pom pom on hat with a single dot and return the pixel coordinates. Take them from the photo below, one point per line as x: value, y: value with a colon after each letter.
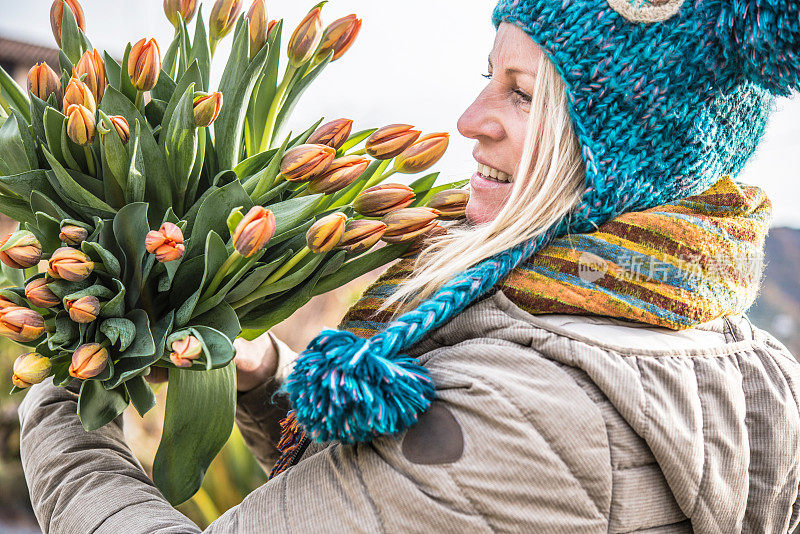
x: 762, y: 38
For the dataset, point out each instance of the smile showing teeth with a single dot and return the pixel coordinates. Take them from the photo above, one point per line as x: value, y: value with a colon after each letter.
x: 493, y: 174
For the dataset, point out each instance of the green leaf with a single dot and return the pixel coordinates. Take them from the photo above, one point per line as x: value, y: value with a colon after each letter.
x: 53, y: 126
x: 180, y: 146
x: 130, y: 228
x: 37, y: 115
x: 116, y: 306
x: 119, y: 329
x: 98, y: 406
x: 253, y: 164
x: 234, y: 218
x: 264, y: 180
x: 423, y: 184
x: 71, y: 42
x: 222, y: 318
x: 297, y: 90
x: 40, y: 202
x: 142, y: 396
x: 255, y: 278
x: 143, y: 343
x: 215, y: 255
x: 46, y: 229
x: 268, y: 83
x: 356, y: 138
x: 126, y: 87
x: 66, y: 185
x: 15, y: 95
x: 427, y: 196
x: 191, y: 77
x: 25, y: 183
x: 134, y: 180
x: 292, y: 212
x: 17, y: 148
x: 358, y: 266
x: 113, y: 71
x: 200, y: 50
x: 17, y: 209
x: 115, y: 152
x: 15, y: 276
x: 213, y: 214
x: 128, y: 365
x: 99, y: 254
x: 187, y: 445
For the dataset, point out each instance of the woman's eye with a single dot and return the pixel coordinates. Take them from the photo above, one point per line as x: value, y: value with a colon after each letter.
x: 488, y: 76
x: 525, y: 97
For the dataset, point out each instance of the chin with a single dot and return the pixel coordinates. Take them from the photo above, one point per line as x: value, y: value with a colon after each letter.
x: 478, y: 214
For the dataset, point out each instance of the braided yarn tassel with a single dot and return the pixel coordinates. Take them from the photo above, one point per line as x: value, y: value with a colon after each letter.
x: 351, y: 389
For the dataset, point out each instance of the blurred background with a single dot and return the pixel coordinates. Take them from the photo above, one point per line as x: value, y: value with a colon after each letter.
x: 416, y: 62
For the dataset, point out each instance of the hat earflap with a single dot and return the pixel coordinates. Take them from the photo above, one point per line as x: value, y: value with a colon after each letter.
x: 762, y: 37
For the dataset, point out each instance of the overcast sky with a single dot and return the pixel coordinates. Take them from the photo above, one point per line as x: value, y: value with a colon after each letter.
x: 416, y: 62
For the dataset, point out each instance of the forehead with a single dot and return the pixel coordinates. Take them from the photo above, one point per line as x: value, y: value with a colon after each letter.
x: 514, y: 48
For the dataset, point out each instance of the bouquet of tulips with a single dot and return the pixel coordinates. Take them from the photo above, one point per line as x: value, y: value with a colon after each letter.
x: 159, y: 220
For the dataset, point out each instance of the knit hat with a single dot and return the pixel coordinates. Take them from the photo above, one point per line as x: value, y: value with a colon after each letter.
x: 666, y: 96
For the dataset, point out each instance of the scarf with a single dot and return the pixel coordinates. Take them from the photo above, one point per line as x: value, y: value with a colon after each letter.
x: 674, y: 266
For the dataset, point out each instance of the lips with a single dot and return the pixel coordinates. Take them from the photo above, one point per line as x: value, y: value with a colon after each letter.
x: 478, y: 182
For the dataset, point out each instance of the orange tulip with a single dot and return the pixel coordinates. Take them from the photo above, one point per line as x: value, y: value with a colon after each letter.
x: 379, y: 200
x: 420, y: 242
x: 78, y: 93
x: 83, y: 310
x: 254, y: 231
x: 91, y: 64
x: 257, y: 15
x: 408, y: 224
x: 333, y: 133
x: 326, y: 233
x: 175, y: 10
x: 57, y: 17
x: 306, y: 162
x: 185, y: 350
x: 144, y: 64
x: 21, y: 324
x: 206, y: 108
x: 23, y: 252
x: 81, y: 126
x: 166, y: 242
x: 391, y: 140
x: 359, y: 236
x: 88, y: 361
x: 73, y: 235
x: 305, y: 39
x: 342, y: 172
x: 39, y: 294
x: 43, y: 82
x: 338, y: 37
x: 29, y: 369
x: 223, y: 18
x: 423, y: 154
x: 122, y: 128
x: 69, y: 264
x: 451, y: 203
x: 6, y: 303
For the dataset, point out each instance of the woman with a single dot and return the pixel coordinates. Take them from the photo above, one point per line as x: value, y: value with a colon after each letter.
x: 575, y: 358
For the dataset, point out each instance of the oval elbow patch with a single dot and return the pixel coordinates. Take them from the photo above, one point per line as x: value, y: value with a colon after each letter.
x: 436, y: 439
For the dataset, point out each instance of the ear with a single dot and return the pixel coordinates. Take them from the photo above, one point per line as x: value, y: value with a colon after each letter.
x: 762, y: 37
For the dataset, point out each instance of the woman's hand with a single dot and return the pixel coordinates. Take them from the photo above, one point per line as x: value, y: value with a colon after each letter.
x: 256, y: 362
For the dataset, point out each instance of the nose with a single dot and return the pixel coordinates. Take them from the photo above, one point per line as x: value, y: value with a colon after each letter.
x: 480, y: 120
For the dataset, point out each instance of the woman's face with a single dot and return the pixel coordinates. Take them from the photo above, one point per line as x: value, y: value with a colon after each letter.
x: 498, y: 120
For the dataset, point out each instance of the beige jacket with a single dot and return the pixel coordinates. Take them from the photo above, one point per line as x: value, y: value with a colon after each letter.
x: 541, y: 424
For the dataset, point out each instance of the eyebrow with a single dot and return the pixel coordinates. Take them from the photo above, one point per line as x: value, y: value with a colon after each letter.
x: 509, y: 70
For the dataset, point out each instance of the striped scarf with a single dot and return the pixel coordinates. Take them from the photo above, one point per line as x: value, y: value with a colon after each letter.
x: 675, y: 266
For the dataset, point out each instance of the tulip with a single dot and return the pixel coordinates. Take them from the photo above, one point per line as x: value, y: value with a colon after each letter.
x: 166, y: 242
x: 359, y: 236
x: 91, y: 64
x: 451, y: 203
x: 29, y: 369
x: 338, y: 37
x: 254, y: 231
x: 144, y: 64
x: 122, y: 128
x: 389, y: 141
x: 326, y: 233
x: 408, y: 224
x: 24, y: 251
x: 69, y: 264
x: 257, y: 15
x: 81, y: 126
x: 179, y: 9
x: 21, y: 324
x: 419, y: 243
x: 305, y: 162
x: 223, y: 18
x: 39, y: 294
x: 342, y: 172
x: 83, y: 310
x: 379, y: 200
x: 422, y: 154
x: 88, y: 361
x: 6, y: 303
x: 185, y: 350
x: 333, y: 133
x: 43, y: 82
x: 57, y: 17
x: 73, y: 235
x: 270, y: 27
x: 78, y: 93
x: 206, y: 108
x: 306, y: 38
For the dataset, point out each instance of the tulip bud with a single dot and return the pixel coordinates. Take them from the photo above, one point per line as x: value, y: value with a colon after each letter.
x: 144, y: 64
x: 122, y: 128
x: 166, y: 242
x: 78, y: 93
x: 305, y: 162
x: 39, y: 294
x: 83, y: 310
x: 88, y: 361
x: 254, y: 231
x: 379, y: 200
x: 389, y: 141
x: 43, y: 82
x: 333, y: 133
x: 57, y: 16
x: 408, y: 224
x: 326, y: 233
x: 21, y: 324
x: 5, y: 303
x: 338, y: 37
x: 91, y: 64
x: 223, y: 18
x: 451, y: 203
x: 185, y: 350
x: 257, y: 15
x: 80, y: 125
x: 206, y: 108
x: 24, y: 250
x: 73, y: 235
x: 306, y: 38
x: 69, y: 264
x: 342, y: 172
x: 422, y: 154
x: 270, y: 27
x: 359, y: 236
x: 179, y: 9
x: 419, y: 243
x: 29, y: 369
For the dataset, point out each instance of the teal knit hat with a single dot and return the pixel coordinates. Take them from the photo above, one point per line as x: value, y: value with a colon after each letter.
x: 666, y: 96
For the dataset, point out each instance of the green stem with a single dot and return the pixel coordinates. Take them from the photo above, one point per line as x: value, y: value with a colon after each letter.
x: 4, y: 105
x: 385, y: 175
x: 260, y: 291
x: 90, y: 161
x: 359, y: 152
x: 223, y: 271
x: 138, y: 101
x: 277, y: 103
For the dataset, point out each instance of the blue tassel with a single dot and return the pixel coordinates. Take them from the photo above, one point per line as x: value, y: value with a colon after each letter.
x: 351, y: 389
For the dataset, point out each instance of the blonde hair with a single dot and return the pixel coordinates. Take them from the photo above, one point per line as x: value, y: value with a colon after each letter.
x: 553, y: 183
